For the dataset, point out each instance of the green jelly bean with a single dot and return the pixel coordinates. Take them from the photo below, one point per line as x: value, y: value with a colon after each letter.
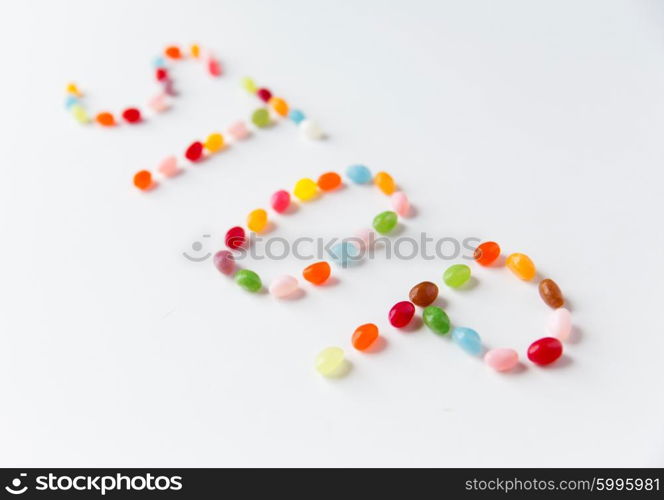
x: 261, y: 117
x: 436, y: 319
x: 385, y: 222
x: 248, y: 280
x: 456, y: 275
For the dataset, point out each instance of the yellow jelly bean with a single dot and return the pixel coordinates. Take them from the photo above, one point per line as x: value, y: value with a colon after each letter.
x: 330, y: 361
x: 73, y: 90
x: 249, y: 85
x: 521, y: 265
x: 257, y: 220
x: 385, y: 183
x: 279, y: 105
x: 305, y: 189
x: 195, y: 50
x: 79, y: 113
x: 214, y: 142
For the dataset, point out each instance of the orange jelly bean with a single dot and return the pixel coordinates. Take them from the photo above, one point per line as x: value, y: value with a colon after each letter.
x: 329, y: 181
x: 487, y: 253
x: 364, y: 336
x: 143, y: 180
x: 195, y: 50
x: 317, y: 273
x: 106, y: 119
x: 385, y: 183
x: 521, y: 265
x: 279, y: 105
x: 173, y: 52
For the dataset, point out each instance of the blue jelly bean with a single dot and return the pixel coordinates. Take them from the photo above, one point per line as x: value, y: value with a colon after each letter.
x: 296, y: 116
x: 359, y: 174
x: 345, y: 254
x: 159, y: 62
x: 70, y: 101
x: 468, y: 339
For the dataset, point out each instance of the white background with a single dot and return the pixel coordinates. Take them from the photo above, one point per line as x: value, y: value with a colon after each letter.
x: 536, y: 124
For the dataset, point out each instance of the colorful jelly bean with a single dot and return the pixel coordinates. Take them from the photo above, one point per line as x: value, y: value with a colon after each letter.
x: 283, y: 286
x: 330, y: 361
x: 173, y: 52
x: 436, y: 319
x: 131, y: 115
x: 72, y: 89
x: 487, y: 253
x: 309, y: 129
x: 195, y: 51
x: 261, y: 118
x: 385, y: 222
x: 400, y: 203
x: 279, y: 106
x: 545, y: 351
x: 296, y: 116
x: 143, y: 180
x: 235, y: 238
x: 70, y: 101
x: 280, y: 201
x: 501, y: 359
x: 238, y: 131
x: 224, y: 262
x: 159, y: 62
x: 159, y: 103
x: 257, y: 220
x: 468, y: 339
x: 105, y: 119
x: 401, y: 314
x: 423, y: 294
x: 551, y: 294
x: 365, y: 238
x: 214, y: 142
x: 344, y: 254
x: 521, y: 265
x: 214, y: 67
x: 168, y: 167
x: 359, y: 174
x: 305, y: 189
x: 560, y: 324
x: 457, y: 275
x: 161, y: 74
x: 364, y: 336
x: 264, y: 95
x: 80, y: 114
x: 385, y: 183
x: 248, y: 280
x: 329, y: 181
x: 249, y: 85
x: 194, y: 152
x: 317, y: 273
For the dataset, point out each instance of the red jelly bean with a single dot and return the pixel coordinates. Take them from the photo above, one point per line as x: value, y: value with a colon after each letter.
x: 131, y: 115
x: 264, y: 94
x: 235, y: 238
x: 545, y: 351
x: 161, y: 74
x: 194, y: 152
x: 401, y: 314
x: 280, y: 201
x: 487, y: 253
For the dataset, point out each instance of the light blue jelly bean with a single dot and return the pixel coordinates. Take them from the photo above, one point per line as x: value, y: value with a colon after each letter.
x: 359, y: 174
x: 70, y: 101
x: 344, y: 254
x: 159, y: 62
x: 296, y: 116
x: 468, y: 339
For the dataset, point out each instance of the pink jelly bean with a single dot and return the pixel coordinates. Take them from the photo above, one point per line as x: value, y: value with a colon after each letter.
x: 280, y: 201
x: 224, y: 262
x: 239, y: 131
x: 214, y: 67
x: 168, y: 167
x: 501, y: 359
x: 159, y: 103
x: 283, y: 286
x: 560, y: 324
x: 400, y: 203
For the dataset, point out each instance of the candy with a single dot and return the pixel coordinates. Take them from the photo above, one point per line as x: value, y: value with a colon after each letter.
x: 487, y: 253
x: 329, y: 181
x: 105, y: 119
x: 248, y: 85
x: 143, y: 180
x: 224, y: 261
x: 248, y: 280
x: 385, y: 183
x: 560, y: 324
x: 235, y: 238
x: 296, y: 116
x: 330, y: 361
x: 423, y: 294
x: 214, y: 142
x: 79, y: 113
x: 344, y: 254
x: 264, y: 95
x: 261, y: 117
x: 401, y: 314
x: 283, y: 286
x: 279, y: 106
x: 238, y: 131
x: 468, y: 339
x: 158, y: 103
x: 72, y: 89
x: 456, y: 275
x: 545, y: 351
x: 305, y: 189
x: 400, y: 203
x: 70, y: 101
x: 195, y: 50
x: 364, y: 336
x: 359, y: 174
x: 317, y: 273
x: 310, y: 130
x: 194, y: 152
x: 168, y: 167
x: 159, y: 62
x: 501, y: 359
x: 131, y: 115
x: 173, y: 52
x: 257, y: 220
x: 161, y: 74
x: 521, y: 265
x: 436, y: 319
x: 365, y: 238
x: 385, y: 222
x: 280, y: 201
x: 214, y: 67
x: 551, y: 294
x: 169, y: 87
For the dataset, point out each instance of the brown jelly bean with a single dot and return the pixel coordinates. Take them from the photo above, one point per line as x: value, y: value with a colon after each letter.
x: 423, y: 294
x: 551, y: 294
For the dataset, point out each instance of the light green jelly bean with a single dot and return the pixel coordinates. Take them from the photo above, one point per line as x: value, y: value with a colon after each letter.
x: 436, y: 319
x: 261, y: 117
x: 385, y: 222
x: 248, y: 280
x: 456, y: 275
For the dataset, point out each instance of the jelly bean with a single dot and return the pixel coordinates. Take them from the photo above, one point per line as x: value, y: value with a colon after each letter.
x: 169, y: 87
x: 423, y: 294
x: 238, y: 131
x: 401, y: 314
x: 310, y: 130
x: 436, y: 319
x: 385, y: 183
x: 264, y: 95
x: 235, y: 238
x: 457, y: 275
x: 159, y: 62
x: 72, y: 89
x: 551, y: 294
x: 400, y: 203
x: 521, y: 265
x: 214, y: 142
x: 248, y: 280
x: 70, y: 101
x: 249, y: 85
x: 468, y: 339
x: 385, y: 222
x: 261, y: 117
x: 279, y: 106
x: 214, y: 67
x: 195, y: 51
x: 131, y: 115
x: 168, y: 167
x: 105, y: 119
x: 296, y: 116
x: 194, y: 152
x: 501, y: 359
x: 80, y: 114
x: 159, y: 103
x: 305, y: 189
x: 173, y: 52
x: 280, y: 201
x: 143, y: 180
x: 344, y: 254
x: 257, y: 220
x: 161, y: 74
x: 224, y: 261
x: 317, y: 273
x: 545, y: 351
x: 329, y: 181
x: 560, y: 324
x: 487, y: 253
x: 364, y: 336
x: 330, y: 361
x: 283, y: 286
x: 365, y: 238
x: 359, y: 174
